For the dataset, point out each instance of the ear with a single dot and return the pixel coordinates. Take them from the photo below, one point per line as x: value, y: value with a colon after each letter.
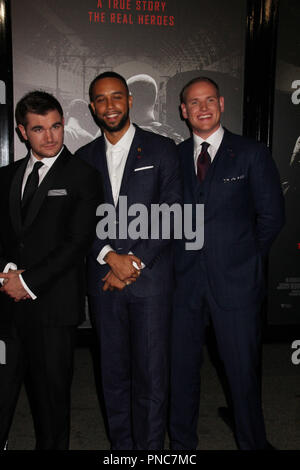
x: 23, y: 131
x: 130, y: 101
x: 221, y: 101
x: 92, y: 106
x: 183, y: 110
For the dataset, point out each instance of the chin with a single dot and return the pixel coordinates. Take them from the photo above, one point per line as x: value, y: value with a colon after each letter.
x: 49, y: 155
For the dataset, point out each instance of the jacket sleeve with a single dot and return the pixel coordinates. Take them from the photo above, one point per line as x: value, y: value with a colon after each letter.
x: 268, y: 198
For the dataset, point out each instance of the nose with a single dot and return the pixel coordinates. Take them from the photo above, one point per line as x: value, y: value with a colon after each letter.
x: 109, y: 102
x: 49, y: 135
x: 203, y: 105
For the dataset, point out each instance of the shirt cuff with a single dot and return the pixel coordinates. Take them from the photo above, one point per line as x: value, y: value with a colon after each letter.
x: 27, y: 288
x: 134, y: 263
x: 9, y: 266
x: 106, y: 249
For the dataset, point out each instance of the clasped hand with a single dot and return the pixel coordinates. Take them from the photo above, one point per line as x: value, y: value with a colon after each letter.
x: 12, y: 286
x: 122, y: 272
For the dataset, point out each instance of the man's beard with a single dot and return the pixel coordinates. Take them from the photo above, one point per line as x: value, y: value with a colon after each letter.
x: 101, y: 123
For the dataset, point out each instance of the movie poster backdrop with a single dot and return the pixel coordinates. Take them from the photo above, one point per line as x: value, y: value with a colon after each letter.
x: 157, y: 45
x: 284, y: 282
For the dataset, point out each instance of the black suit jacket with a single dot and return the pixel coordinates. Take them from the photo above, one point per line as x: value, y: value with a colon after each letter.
x: 52, y: 241
x: 151, y: 176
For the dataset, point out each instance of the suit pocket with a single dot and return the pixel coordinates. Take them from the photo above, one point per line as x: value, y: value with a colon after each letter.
x: 144, y: 168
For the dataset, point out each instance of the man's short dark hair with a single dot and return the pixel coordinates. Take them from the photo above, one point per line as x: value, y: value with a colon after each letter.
x: 36, y: 102
x: 108, y: 74
x: 198, y: 80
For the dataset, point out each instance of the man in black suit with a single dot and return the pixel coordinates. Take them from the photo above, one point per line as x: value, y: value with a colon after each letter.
x: 132, y: 303
x: 237, y: 181
x: 48, y: 219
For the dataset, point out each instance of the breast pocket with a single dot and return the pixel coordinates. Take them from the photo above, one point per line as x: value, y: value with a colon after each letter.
x: 143, y: 175
x: 143, y: 184
x: 233, y: 183
x: 231, y: 192
x: 57, y: 204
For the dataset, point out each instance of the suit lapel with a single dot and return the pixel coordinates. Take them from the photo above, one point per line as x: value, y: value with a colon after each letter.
x: 100, y: 163
x: 189, y: 164
x: 15, y: 196
x: 44, y: 187
x: 222, y: 159
x: 131, y: 160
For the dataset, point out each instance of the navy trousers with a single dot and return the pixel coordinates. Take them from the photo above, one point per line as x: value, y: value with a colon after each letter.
x: 238, y: 338
x: 133, y: 335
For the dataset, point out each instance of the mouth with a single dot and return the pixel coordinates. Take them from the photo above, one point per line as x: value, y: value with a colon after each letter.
x: 204, y: 116
x: 112, y: 116
x: 50, y: 146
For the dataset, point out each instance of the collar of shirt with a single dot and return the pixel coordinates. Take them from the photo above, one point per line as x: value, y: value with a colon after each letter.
x: 116, y: 157
x: 47, y: 164
x: 124, y: 143
x: 214, y: 141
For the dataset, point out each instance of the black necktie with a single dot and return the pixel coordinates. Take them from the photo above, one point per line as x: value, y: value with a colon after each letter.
x: 31, y: 186
x: 203, y: 161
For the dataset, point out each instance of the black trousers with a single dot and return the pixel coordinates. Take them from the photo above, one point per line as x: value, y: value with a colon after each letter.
x: 42, y: 357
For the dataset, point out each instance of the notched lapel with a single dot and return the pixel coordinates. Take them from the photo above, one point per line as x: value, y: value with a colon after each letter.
x: 188, y: 167
x: 219, y: 161
x: 44, y: 187
x: 100, y: 163
x: 225, y: 159
x: 135, y: 150
x: 223, y: 162
x: 15, y: 197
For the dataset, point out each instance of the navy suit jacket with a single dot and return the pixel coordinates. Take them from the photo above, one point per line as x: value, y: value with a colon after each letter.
x: 243, y: 213
x: 157, y: 184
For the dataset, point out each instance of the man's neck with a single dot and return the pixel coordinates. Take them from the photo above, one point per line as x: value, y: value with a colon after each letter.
x: 34, y: 156
x: 205, y: 135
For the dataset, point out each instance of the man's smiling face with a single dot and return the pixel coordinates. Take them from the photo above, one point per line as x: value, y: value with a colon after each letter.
x: 111, y: 104
x: 202, y: 107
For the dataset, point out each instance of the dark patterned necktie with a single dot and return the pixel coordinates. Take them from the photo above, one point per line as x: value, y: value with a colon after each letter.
x: 203, y: 162
x: 31, y: 186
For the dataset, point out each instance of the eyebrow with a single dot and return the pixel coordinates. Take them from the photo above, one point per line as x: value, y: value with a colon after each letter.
x: 113, y: 93
x: 42, y: 127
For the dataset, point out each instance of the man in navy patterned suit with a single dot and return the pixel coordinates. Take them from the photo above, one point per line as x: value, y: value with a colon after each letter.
x: 130, y: 280
x: 237, y: 181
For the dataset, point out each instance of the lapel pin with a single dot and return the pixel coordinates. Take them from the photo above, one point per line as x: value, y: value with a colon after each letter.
x: 230, y: 151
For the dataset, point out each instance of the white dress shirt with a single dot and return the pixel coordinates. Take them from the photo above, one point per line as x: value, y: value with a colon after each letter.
x: 214, y: 141
x: 116, y: 157
x: 47, y: 164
